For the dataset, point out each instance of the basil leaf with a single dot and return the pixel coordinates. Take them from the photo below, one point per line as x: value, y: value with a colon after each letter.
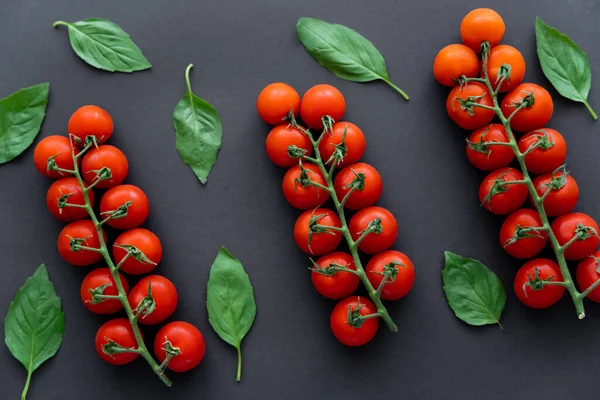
x: 473, y: 291
x: 104, y: 45
x: 343, y: 51
x: 564, y: 64
x: 198, y: 131
x: 230, y: 301
x: 21, y: 116
x: 34, y: 324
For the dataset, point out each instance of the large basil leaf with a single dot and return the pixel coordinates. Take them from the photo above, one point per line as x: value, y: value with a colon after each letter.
x: 564, y: 64
x: 104, y: 45
x: 473, y: 291
x: 21, y: 116
x: 198, y: 131
x: 343, y: 51
x: 230, y: 301
x: 34, y: 324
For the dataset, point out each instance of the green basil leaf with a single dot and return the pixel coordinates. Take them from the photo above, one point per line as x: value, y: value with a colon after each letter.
x: 21, y: 116
x: 199, y: 131
x: 104, y: 45
x: 34, y: 324
x: 343, y: 51
x: 230, y: 301
x: 473, y: 291
x: 564, y: 64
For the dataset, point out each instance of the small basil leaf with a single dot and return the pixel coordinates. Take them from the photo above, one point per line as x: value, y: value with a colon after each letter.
x: 343, y: 51
x: 564, y: 64
x: 473, y: 291
x: 21, y: 116
x: 104, y: 45
x: 198, y: 131
x: 230, y: 301
x: 34, y: 324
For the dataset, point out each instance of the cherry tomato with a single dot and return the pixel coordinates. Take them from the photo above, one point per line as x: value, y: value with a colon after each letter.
x: 84, y: 233
x: 563, y: 195
x: 299, y: 192
x: 109, y: 157
x: 137, y: 212
x: 452, y: 62
x: 321, y: 100
x: 587, y: 274
x: 548, y: 155
x: 322, y: 240
x: 374, y: 242
x: 354, y: 143
x: 517, y: 236
x: 164, y: 294
x: 96, y: 279
x: 533, y: 116
x: 354, y: 332
x: 280, y: 138
x: 483, y: 153
x: 331, y: 283
x: 143, y: 240
x: 275, y: 102
x: 476, y: 92
x: 187, y: 339
x: 367, y: 183
x: 57, y: 147
x: 67, y: 190
x: 500, y: 56
x: 120, y: 332
x: 538, y: 270
x: 568, y: 226
x: 482, y: 25
x: 498, y: 195
x: 91, y: 121
x: 401, y: 276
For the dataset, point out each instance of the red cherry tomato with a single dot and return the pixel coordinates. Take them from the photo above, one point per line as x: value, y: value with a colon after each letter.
x: 58, y: 148
x: 401, y: 275
x: 145, y: 242
x: 548, y: 155
x: 83, y: 233
x: 67, y: 190
x: 366, y: 182
x: 280, y: 139
x: 346, y: 322
x: 116, y: 197
x: 98, y: 278
x: 164, y: 295
x: 354, y: 142
x: 109, y: 157
x: 577, y: 224
x: 563, y: 195
x: 187, y: 339
x: 539, y: 270
x: 518, y: 234
x: 478, y: 93
x: 321, y: 100
x: 454, y: 61
x: 91, y: 121
x: 483, y: 153
x: 331, y: 283
x: 505, y: 55
x: 275, y: 102
x: 311, y: 237
x: 374, y: 242
x: 482, y: 25
x: 535, y: 115
x: 299, y: 192
x: 587, y: 274
x: 120, y: 332
x: 498, y: 196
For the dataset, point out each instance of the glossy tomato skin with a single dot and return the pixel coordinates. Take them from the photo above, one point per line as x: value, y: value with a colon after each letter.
x: 97, y: 278
x: 321, y: 100
x: 561, y: 201
x: 55, y: 146
x: 546, y: 158
x: 549, y: 294
x: 185, y: 337
x: 454, y: 61
x: 119, y: 331
x: 83, y: 229
x: 70, y: 187
x: 146, y: 242
x: 462, y: 117
x: 105, y: 156
x: 480, y: 25
x: 531, y: 117
x: 525, y: 247
x: 401, y: 284
x: 275, y: 102
x: 340, y: 284
x: 164, y: 294
x: 136, y: 213
x: 374, y: 243
x: 300, y: 197
x: 564, y: 229
x: 359, y: 198
x: 91, y: 120
x: 489, y: 157
x: 280, y: 138
x: 321, y: 242
x: 507, y: 201
x: 587, y: 274
x: 499, y: 56
x: 355, y: 143
x: 347, y: 334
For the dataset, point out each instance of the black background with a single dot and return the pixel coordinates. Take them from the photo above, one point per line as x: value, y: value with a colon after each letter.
x: 237, y: 48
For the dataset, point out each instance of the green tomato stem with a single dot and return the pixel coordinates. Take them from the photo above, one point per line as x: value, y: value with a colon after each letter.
x: 590, y: 109
x: 27, y: 382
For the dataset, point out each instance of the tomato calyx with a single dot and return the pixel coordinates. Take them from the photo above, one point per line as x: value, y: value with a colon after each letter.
x: 98, y: 296
x: 373, y: 226
x: 111, y: 348
x: 536, y: 283
x: 469, y: 103
x: 358, y: 183
x: 355, y: 318
x: 146, y: 306
x: 76, y: 244
x: 120, y: 212
x: 526, y: 102
x: 482, y: 146
x: 133, y: 252
x: 581, y: 232
x: 331, y: 269
x: 303, y: 179
x: 294, y: 151
x: 557, y: 181
x: 503, y: 76
x: 524, y: 233
x: 390, y: 271
x: 102, y: 174
x: 544, y: 142
x: 53, y: 166
x: 315, y: 227
x: 499, y: 186
x: 171, y: 351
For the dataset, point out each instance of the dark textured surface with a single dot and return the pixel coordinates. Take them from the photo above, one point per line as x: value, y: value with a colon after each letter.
x: 237, y: 48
